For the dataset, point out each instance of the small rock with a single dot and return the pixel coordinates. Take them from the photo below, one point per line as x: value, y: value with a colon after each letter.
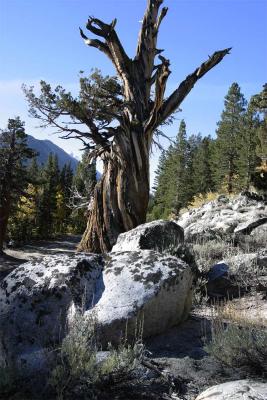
x: 217, y: 271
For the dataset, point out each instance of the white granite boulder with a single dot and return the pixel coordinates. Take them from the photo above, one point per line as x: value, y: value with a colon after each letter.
x: 236, y: 390
x: 142, y: 286
x: 37, y: 297
x: 158, y: 235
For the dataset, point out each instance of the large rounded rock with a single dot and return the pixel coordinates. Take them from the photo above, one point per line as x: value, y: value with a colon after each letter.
x: 142, y: 286
x: 236, y: 390
x: 40, y: 298
x: 158, y: 235
x: 36, y: 299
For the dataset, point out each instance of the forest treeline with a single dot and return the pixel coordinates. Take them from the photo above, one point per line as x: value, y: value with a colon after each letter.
x: 235, y: 160
x: 39, y: 202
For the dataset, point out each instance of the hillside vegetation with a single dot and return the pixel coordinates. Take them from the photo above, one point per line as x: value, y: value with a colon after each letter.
x: 195, y: 167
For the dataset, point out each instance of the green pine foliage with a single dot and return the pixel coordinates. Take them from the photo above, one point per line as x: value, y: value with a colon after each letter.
x: 247, y: 159
x: 228, y: 139
x: 174, y: 182
x: 14, y: 154
x: 259, y: 105
x: 235, y: 160
x: 48, y: 202
x: 46, y: 209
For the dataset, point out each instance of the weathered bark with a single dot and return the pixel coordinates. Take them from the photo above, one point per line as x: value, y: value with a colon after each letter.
x: 121, y: 197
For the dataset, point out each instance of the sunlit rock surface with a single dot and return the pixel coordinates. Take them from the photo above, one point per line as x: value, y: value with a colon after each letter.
x: 236, y: 390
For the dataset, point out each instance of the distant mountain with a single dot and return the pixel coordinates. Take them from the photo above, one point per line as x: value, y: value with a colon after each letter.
x: 45, y: 147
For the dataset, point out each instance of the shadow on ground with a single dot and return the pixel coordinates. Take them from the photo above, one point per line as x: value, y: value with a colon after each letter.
x: 181, y: 351
x: 187, y: 339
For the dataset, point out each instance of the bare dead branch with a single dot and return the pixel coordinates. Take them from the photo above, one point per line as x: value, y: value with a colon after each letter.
x: 176, y: 98
x: 96, y: 43
x: 112, y: 46
x: 161, y: 78
x: 161, y: 16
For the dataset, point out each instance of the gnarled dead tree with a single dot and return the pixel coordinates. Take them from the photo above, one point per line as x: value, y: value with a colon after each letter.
x: 121, y: 196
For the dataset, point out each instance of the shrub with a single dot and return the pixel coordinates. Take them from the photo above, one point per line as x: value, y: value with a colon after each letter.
x: 251, y: 243
x: 210, y: 252
x: 239, y: 346
x: 78, y: 367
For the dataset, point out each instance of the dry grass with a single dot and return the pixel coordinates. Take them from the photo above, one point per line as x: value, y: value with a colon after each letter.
x: 245, y: 311
x: 210, y: 252
x: 239, y: 338
x: 78, y: 369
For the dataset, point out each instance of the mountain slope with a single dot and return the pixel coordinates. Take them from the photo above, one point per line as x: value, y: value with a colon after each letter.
x: 45, y: 147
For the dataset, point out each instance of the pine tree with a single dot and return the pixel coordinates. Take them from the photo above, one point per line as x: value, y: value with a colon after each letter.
x: 163, y: 186
x: 174, y: 185
x: 63, y: 195
x: 228, y: 135
x: 14, y: 154
x: 159, y: 171
x: 202, y: 167
x: 183, y: 165
x: 48, y: 201
x: 247, y: 143
x: 259, y: 105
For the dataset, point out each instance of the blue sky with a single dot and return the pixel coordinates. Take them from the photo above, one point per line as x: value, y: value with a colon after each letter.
x: 39, y: 39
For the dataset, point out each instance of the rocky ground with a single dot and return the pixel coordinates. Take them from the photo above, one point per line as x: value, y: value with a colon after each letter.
x: 229, y: 242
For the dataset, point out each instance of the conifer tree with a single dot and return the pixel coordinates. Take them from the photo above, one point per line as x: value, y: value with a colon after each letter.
x: 202, y: 167
x: 63, y: 209
x: 14, y: 153
x: 180, y: 164
x: 259, y: 105
x: 48, y: 201
x: 228, y: 135
x: 174, y: 185
x: 247, y: 159
x: 164, y: 185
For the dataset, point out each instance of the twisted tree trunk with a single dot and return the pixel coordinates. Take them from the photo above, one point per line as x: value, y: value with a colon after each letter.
x: 121, y: 197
